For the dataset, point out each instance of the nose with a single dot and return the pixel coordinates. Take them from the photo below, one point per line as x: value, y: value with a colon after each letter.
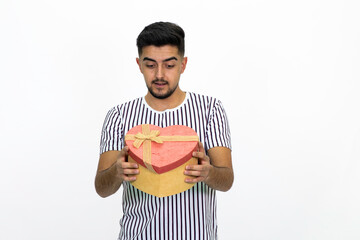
x: 159, y: 72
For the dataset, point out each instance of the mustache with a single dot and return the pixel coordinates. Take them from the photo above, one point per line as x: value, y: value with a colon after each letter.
x: 159, y: 81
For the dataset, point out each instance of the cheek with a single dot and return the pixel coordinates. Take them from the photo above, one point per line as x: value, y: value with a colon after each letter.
x: 148, y: 73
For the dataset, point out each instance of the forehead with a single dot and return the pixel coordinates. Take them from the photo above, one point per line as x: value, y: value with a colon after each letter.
x: 160, y: 53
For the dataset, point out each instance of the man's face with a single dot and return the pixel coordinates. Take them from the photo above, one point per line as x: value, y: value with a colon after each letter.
x: 161, y: 67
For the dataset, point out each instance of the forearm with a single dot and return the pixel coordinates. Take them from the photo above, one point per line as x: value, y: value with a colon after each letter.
x: 220, y: 178
x: 107, y: 181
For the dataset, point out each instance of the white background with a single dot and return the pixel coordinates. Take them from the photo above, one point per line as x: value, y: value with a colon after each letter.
x: 287, y: 73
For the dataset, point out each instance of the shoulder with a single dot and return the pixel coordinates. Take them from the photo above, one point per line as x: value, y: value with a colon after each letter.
x: 120, y: 108
x: 202, y: 98
x: 206, y: 101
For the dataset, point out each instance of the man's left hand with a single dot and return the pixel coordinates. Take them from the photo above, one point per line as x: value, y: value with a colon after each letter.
x: 201, y: 172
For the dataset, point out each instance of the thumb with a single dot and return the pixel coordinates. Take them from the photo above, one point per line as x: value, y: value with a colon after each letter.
x: 123, y: 154
x: 201, y: 147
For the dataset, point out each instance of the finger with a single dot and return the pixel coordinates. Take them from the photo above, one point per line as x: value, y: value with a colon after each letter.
x: 201, y: 148
x: 197, y: 170
x: 195, y: 167
x: 193, y: 173
x: 123, y: 153
x: 202, y: 157
x: 199, y: 155
x: 130, y: 178
x: 129, y: 165
x: 194, y: 180
x: 131, y: 171
x: 126, y: 149
x: 129, y: 174
x: 201, y: 151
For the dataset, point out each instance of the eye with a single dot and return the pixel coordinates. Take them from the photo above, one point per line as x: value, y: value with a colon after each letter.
x: 150, y: 65
x: 170, y: 65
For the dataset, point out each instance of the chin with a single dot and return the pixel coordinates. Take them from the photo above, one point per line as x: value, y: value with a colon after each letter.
x: 162, y: 95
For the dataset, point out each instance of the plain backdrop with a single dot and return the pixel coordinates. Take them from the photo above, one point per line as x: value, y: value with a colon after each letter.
x: 287, y: 73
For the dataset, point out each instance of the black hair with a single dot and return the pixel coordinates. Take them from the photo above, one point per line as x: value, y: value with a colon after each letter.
x: 161, y: 34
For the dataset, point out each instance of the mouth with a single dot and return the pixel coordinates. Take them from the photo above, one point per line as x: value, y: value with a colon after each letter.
x: 160, y: 83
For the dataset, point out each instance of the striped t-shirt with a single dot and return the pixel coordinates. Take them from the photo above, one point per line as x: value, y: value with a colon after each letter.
x: 187, y: 215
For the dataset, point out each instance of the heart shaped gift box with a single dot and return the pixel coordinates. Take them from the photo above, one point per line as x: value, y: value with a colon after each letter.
x: 162, y: 154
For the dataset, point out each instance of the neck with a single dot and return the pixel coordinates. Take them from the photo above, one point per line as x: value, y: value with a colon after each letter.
x: 172, y: 101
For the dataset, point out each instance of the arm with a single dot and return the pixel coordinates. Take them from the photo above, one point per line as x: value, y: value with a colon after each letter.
x: 215, y: 169
x: 112, y: 171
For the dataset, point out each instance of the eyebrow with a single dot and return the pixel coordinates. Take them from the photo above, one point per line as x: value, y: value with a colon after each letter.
x: 166, y: 60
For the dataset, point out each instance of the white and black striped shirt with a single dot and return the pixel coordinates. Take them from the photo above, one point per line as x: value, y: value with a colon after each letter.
x: 187, y: 215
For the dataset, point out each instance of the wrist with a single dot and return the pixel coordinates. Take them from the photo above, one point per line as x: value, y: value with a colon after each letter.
x: 208, y: 178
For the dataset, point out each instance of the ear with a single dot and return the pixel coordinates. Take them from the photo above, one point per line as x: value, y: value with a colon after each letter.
x: 183, y: 64
x: 139, y: 64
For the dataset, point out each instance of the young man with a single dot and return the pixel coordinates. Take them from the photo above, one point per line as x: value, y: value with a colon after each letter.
x: 190, y: 214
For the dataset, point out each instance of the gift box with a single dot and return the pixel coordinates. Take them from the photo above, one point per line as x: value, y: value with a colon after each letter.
x: 162, y: 154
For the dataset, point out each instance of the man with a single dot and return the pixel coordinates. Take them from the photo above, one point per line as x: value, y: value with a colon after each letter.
x: 190, y: 214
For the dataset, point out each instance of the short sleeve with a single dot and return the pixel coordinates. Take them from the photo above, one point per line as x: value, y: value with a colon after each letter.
x: 218, y: 130
x: 111, y: 136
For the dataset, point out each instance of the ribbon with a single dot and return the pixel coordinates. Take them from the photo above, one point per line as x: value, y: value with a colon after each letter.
x: 146, y: 137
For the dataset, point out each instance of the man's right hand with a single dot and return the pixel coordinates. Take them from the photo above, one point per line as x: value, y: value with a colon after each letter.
x: 112, y: 170
x: 126, y: 171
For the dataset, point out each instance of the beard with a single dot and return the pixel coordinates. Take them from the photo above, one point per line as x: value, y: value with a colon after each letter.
x: 161, y: 95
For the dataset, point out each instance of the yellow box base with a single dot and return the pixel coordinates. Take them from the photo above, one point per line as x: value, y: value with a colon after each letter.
x: 165, y: 184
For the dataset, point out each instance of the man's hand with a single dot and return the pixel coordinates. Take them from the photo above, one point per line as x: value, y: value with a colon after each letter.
x: 214, y: 169
x: 125, y: 170
x: 199, y: 173
x: 113, y: 169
